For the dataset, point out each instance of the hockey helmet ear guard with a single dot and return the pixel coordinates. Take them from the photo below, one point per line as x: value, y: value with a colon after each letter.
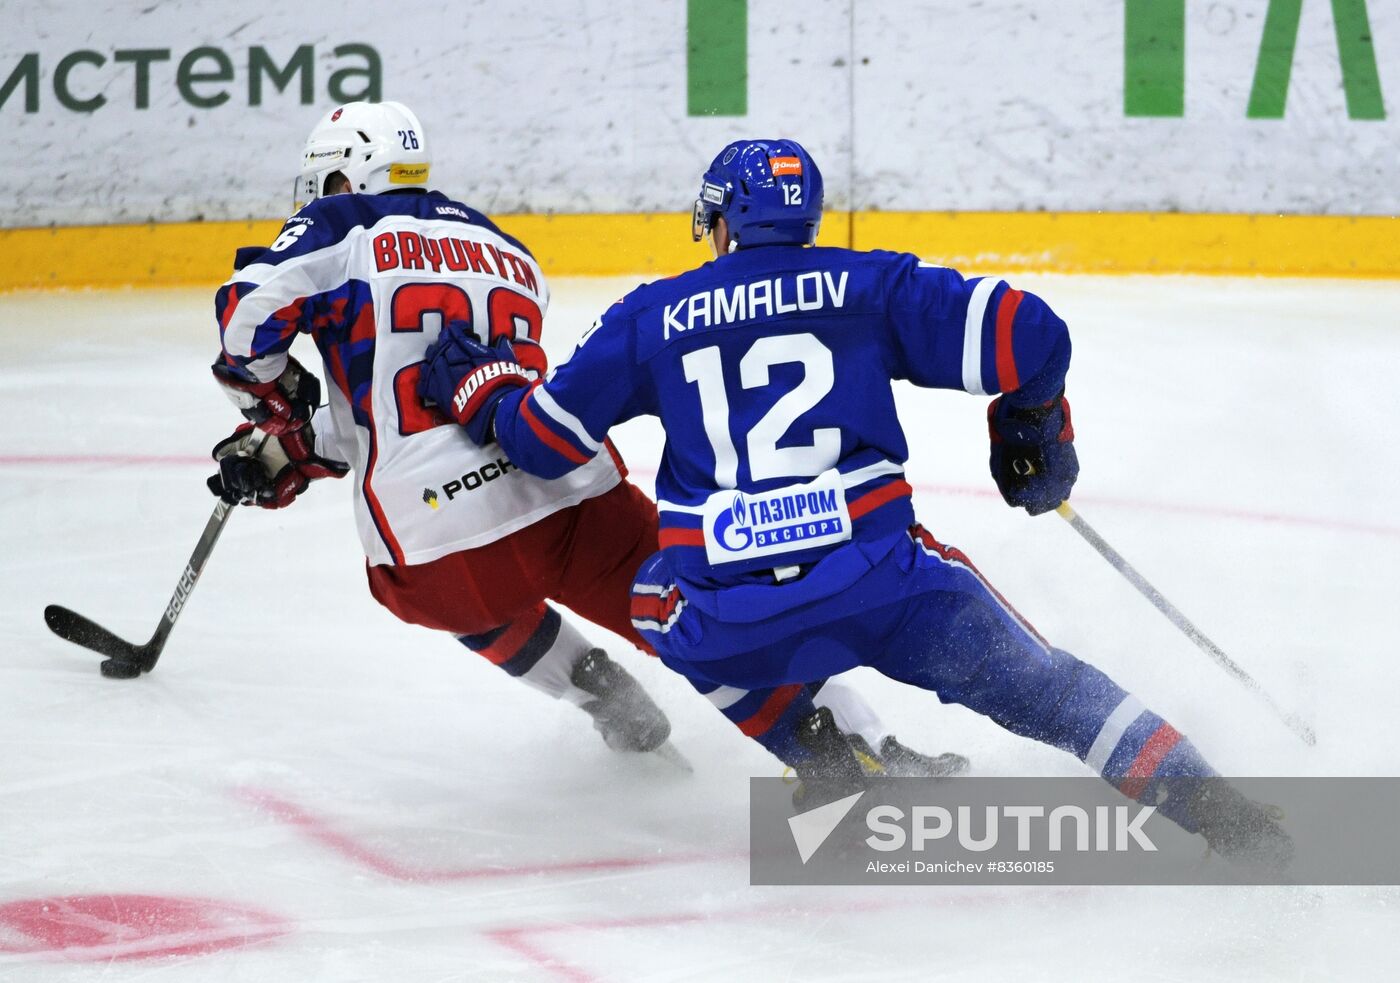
x: 377, y: 146
x: 713, y: 197
x: 769, y: 192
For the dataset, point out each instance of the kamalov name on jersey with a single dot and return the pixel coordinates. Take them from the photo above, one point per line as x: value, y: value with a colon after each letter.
x: 751, y: 525
x: 760, y: 298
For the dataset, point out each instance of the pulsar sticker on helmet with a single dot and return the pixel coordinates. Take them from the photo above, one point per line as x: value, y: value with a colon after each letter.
x: 408, y: 174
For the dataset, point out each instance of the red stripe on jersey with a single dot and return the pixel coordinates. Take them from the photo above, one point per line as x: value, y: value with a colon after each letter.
x: 1007, y: 379
x: 617, y: 458
x: 376, y: 510
x: 925, y: 537
x: 229, y: 307
x: 547, y: 436
x: 365, y: 322
x: 771, y: 710
x: 871, y: 501
x: 335, y: 362
x: 514, y: 638
x: 681, y: 537
x: 291, y: 314
x: 655, y: 608
x: 1144, y: 766
x: 955, y: 555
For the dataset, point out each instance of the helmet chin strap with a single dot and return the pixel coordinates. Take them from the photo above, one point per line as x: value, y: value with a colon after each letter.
x: 714, y: 247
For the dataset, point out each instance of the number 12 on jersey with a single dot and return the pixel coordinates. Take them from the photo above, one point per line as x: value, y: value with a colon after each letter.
x: 705, y: 368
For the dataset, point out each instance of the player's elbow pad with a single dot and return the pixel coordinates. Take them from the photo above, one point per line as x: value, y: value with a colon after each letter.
x: 1042, y: 349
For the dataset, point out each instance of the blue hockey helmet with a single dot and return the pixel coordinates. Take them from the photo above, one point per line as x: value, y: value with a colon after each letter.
x: 769, y: 191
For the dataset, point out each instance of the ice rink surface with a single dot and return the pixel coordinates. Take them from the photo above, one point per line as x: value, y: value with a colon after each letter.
x: 307, y: 789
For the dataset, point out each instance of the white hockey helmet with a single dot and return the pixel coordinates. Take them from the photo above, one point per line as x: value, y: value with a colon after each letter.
x: 379, y: 146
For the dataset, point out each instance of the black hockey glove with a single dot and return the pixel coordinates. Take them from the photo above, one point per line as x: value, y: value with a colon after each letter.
x: 1033, y: 459
x: 269, y: 473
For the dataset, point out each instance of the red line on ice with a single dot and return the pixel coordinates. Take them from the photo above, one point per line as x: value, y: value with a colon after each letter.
x: 78, y: 460
x: 1142, y: 505
x: 320, y: 830
x: 922, y: 488
x: 1183, y: 508
x: 105, y: 927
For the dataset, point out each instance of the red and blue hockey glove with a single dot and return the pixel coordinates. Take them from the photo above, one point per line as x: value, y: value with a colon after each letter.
x: 466, y: 379
x: 1033, y: 458
x: 276, y: 407
x: 269, y: 473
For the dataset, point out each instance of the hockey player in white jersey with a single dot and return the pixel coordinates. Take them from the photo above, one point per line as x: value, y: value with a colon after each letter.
x: 372, y: 266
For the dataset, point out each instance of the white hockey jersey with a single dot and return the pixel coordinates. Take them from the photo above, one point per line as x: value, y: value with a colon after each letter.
x: 372, y: 279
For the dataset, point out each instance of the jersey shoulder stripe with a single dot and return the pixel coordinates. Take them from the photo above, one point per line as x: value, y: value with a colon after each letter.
x: 328, y: 221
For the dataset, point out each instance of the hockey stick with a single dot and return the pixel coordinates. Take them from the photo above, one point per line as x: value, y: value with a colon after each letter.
x: 1290, y: 720
x: 125, y: 660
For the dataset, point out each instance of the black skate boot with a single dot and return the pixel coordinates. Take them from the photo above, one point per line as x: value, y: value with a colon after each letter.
x: 832, y: 771
x: 622, y: 711
x: 1240, y: 829
x: 894, y: 760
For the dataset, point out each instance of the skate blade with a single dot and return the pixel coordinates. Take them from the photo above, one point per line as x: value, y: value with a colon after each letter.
x: 668, y: 752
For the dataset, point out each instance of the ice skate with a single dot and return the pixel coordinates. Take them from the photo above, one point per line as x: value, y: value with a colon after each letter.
x: 832, y: 769
x: 1240, y: 829
x: 895, y: 760
x: 622, y: 711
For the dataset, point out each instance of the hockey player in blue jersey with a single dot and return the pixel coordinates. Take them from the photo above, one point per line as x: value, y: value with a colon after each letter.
x: 456, y: 538
x: 789, y: 546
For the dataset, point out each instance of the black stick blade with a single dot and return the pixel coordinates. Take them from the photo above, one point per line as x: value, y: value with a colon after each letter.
x: 117, y: 669
x: 73, y: 627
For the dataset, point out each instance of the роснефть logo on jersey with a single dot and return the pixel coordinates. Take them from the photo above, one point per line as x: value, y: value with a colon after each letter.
x: 470, y: 481
x: 742, y: 525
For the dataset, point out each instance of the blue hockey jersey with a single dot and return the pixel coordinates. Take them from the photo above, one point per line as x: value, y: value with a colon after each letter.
x: 771, y: 370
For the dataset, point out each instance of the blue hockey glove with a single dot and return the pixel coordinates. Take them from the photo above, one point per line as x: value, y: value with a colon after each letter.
x: 1033, y: 458
x: 466, y: 379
